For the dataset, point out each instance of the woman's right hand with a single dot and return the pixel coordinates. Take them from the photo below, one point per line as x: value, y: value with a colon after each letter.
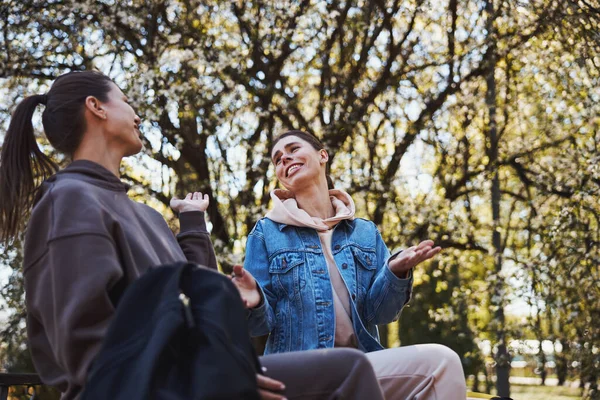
x: 269, y: 388
x: 246, y: 285
x: 193, y: 202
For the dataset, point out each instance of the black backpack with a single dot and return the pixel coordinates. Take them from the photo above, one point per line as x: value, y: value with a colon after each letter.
x: 179, y: 332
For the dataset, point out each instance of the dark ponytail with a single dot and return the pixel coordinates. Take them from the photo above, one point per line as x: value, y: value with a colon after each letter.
x: 23, y: 166
x: 22, y: 162
x: 313, y: 141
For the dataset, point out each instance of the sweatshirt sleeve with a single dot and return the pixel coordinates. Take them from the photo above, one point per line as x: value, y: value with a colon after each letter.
x: 69, y: 303
x: 194, y: 239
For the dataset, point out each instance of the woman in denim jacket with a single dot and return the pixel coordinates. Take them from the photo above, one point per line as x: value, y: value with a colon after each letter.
x: 316, y: 277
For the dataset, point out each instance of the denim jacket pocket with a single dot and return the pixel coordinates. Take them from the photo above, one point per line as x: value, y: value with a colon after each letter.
x: 283, y: 262
x: 366, y: 268
x: 366, y: 259
x: 287, y: 272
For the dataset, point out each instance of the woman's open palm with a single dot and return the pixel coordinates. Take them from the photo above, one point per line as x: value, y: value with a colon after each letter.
x: 246, y: 285
x: 412, y: 256
x: 193, y: 202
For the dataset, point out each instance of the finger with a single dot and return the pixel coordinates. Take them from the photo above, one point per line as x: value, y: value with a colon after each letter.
x: 266, y: 395
x: 425, y: 251
x: 425, y: 255
x: 425, y: 243
x: 431, y: 253
x: 264, y: 382
x: 239, y: 271
x: 189, y: 196
x: 205, y: 197
x: 420, y: 256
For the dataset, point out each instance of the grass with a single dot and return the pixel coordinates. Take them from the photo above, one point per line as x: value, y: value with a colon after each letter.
x: 536, y: 392
x: 530, y: 392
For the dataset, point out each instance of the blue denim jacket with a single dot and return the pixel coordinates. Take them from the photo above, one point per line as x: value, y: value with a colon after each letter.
x: 290, y: 268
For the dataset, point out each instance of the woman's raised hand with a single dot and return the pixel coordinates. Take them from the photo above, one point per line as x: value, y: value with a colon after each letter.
x: 193, y: 202
x: 246, y: 285
x: 412, y: 256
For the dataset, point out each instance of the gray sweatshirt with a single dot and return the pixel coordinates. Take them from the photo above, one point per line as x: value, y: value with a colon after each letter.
x: 86, y: 241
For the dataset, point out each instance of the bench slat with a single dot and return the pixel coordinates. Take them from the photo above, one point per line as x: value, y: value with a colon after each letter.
x: 19, y: 379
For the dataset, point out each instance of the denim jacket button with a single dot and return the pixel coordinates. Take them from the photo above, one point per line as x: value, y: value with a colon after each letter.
x: 344, y: 266
x: 337, y: 247
x: 353, y: 296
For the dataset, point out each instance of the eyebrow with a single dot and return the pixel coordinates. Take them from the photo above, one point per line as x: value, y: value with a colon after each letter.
x: 278, y: 152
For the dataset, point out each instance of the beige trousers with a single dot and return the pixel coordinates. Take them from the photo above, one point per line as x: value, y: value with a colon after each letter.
x: 420, y: 372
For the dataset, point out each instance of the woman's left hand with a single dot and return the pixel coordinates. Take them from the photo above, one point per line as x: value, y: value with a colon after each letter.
x: 192, y: 202
x: 247, y: 286
x: 412, y: 256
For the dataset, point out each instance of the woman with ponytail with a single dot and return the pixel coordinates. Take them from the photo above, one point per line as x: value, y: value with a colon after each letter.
x: 86, y: 241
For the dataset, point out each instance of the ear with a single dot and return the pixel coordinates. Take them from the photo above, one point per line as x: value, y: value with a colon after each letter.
x: 324, y: 156
x: 94, y: 106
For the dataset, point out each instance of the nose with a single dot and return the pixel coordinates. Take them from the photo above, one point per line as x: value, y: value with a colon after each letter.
x: 286, y: 158
x: 137, y: 120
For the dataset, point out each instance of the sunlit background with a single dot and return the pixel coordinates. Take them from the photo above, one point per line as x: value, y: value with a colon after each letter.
x: 472, y: 123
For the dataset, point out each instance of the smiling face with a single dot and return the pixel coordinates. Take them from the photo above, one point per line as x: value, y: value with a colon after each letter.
x: 298, y: 163
x: 121, y: 123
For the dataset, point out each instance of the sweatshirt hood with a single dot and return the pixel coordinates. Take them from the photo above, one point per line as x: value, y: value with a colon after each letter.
x: 285, y: 210
x: 91, y: 172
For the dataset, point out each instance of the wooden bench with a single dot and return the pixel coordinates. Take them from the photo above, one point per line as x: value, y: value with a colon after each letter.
x: 8, y: 380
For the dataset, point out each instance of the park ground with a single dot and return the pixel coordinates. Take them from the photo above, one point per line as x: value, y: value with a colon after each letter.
x: 531, y: 391
x: 534, y: 392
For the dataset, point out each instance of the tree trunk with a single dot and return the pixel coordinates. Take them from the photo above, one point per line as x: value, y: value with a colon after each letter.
x: 475, y: 386
x: 542, y: 363
x: 540, y: 337
x: 561, y: 363
x: 502, y: 357
x: 383, y: 335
